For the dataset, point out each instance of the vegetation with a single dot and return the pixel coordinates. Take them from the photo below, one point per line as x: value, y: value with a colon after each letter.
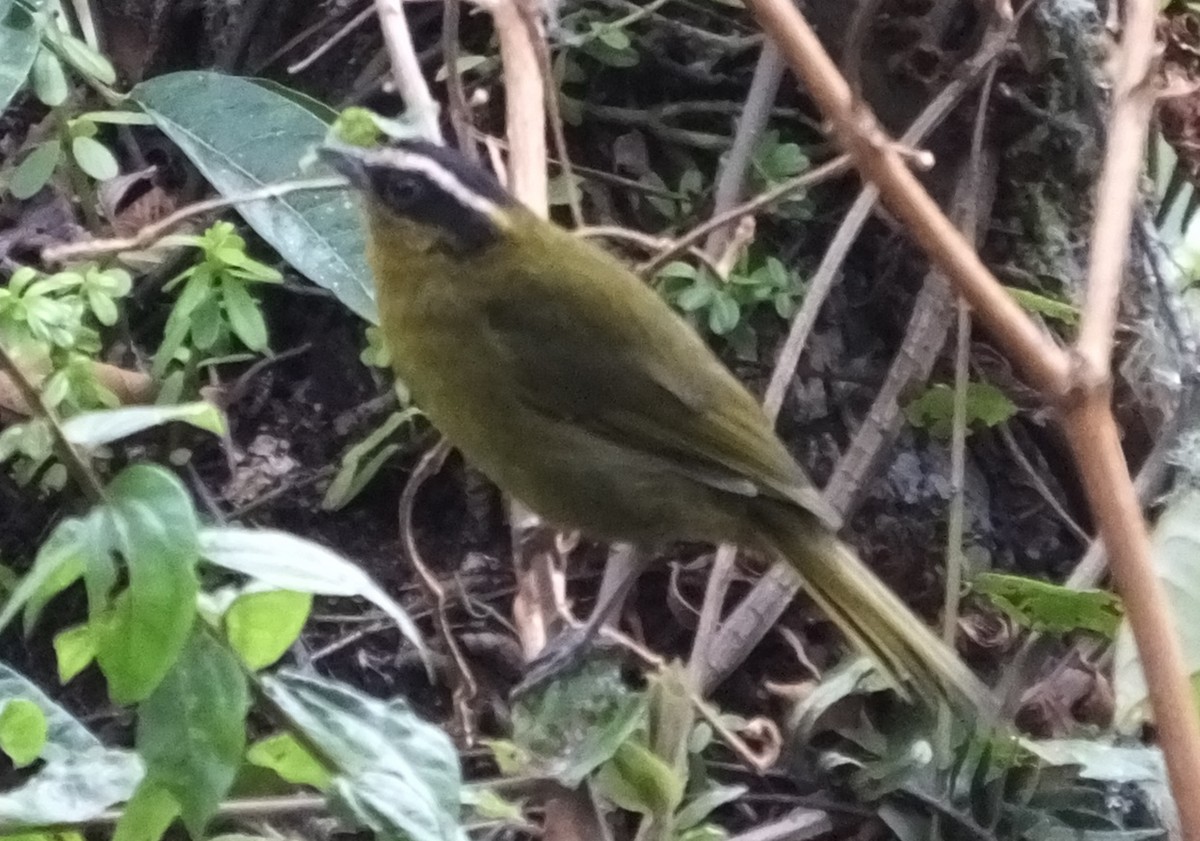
x: 209, y: 622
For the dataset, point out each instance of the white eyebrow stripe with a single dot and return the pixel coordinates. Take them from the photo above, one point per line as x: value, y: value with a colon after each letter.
x: 448, y: 181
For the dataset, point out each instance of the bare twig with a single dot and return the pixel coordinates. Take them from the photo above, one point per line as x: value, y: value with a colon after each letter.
x: 59, y: 254
x: 880, y: 161
x: 466, y: 688
x: 764, y: 86
x: 646, y: 241
x: 406, y: 70
x: 78, y: 468
x: 460, y: 109
x: 342, y: 32
x: 826, y: 171
x: 1088, y: 419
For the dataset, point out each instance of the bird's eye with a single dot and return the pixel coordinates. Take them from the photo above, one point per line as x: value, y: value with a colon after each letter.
x: 402, y: 190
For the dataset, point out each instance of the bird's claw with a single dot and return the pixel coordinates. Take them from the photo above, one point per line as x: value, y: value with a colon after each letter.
x: 563, y: 654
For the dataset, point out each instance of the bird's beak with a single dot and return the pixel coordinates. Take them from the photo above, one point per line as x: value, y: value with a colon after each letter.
x: 350, y: 161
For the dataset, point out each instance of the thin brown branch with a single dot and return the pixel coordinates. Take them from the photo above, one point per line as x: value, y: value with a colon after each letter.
x: 1043, y: 362
x: 826, y: 171
x: 342, y: 32
x: 460, y: 109
x: 406, y: 70
x: 1117, y: 192
x: 147, y: 236
x: 1088, y: 419
x: 77, y: 467
x: 465, y: 689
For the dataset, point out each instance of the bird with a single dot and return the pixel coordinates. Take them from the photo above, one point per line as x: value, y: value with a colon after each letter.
x: 575, y: 388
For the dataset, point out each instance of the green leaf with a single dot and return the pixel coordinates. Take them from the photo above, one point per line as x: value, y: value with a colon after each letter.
x: 362, y: 461
x: 151, y: 519
x: 35, y: 170
x: 118, y: 118
x: 289, y: 759
x: 1043, y: 606
x: 319, y: 233
x: 207, y: 323
x: 59, y: 564
x: 703, y: 804
x: 94, y: 158
x: 399, y: 775
x: 639, y: 781
x: 74, y: 649
x: 934, y: 410
x: 84, y: 59
x: 147, y: 815
x: 723, y: 314
x: 23, y: 731
x: 191, y: 730
x: 576, y: 724
x: 49, y: 80
x: 261, y: 626
x: 1050, y: 307
x: 245, y: 317
x: 79, y: 777
x: 695, y: 297
x: 20, y: 35
x: 292, y: 563
x: 95, y: 429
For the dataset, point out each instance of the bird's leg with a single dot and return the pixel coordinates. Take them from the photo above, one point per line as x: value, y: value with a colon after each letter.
x: 568, y: 649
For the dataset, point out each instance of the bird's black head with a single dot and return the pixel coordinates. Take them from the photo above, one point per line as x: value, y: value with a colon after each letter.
x: 430, y: 186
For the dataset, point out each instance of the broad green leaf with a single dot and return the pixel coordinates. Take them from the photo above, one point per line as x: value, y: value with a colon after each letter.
x: 192, y: 730
x: 49, y: 80
x: 576, y: 724
x: 398, y: 775
x: 23, y: 731
x: 292, y: 563
x: 289, y: 759
x: 934, y: 410
x: 94, y: 158
x: 20, y: 35
x: 35, y: 170
x: 95, y: 429
x: 639, y: 781
x: 319, y: 232
x: 1176, y: 548
x: 59, y: 564
x: 261, y: 626
x: 147, y: 815
x: 245, y: 317
x: 79, y: 777
x: 154, y: 528
x: 74, y: 649
x: 1043, y: 606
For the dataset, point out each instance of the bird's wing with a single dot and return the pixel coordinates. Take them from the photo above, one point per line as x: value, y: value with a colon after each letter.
x: 620, y: 363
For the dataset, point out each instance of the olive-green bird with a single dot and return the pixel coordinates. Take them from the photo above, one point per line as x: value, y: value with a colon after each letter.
x: 576, y: 389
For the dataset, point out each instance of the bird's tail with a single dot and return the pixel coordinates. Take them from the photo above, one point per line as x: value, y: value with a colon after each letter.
x: 870, y: 614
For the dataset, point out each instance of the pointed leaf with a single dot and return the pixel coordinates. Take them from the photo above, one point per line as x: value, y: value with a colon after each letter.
x: 94, y: 429
x: 319, y: 233
x: 154, y: 528
x: 80, y: 777
x: 20, y: 35
x: 192, y: 730
x: 293, y: 563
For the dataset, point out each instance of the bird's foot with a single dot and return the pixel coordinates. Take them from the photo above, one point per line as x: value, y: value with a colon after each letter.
x: 563, y: 655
